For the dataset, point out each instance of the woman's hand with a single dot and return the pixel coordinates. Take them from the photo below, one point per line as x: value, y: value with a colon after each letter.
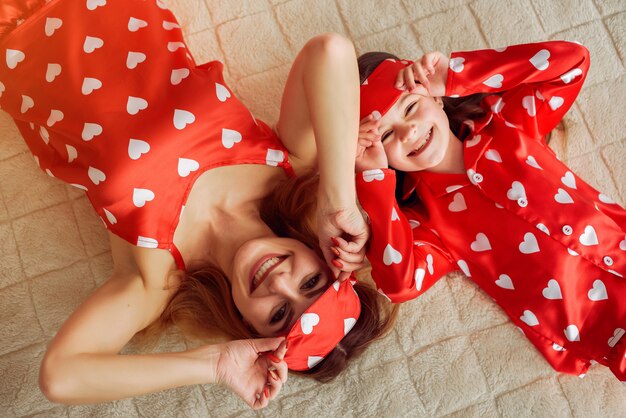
x: 253, y: 369
x: 347, y: 225
x: 431, y: 70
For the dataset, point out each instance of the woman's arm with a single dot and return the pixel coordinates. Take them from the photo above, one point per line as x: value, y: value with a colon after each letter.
x: 319, y: 126
x: 83, y: 364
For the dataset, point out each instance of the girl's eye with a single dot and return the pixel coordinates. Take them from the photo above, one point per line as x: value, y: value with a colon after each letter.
x: 279, y: 315
x: 385, y: 136
x: 312, y: 282
x: 409, y: 108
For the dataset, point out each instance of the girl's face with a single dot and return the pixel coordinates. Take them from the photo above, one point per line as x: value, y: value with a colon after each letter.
x: 415, y: 132
x: 275, y: 280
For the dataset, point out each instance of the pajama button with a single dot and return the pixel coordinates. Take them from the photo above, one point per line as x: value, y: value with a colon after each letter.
x: 522, y: 202
x: 567, y: 230
x: 608, y: 260
x: 477, y: 177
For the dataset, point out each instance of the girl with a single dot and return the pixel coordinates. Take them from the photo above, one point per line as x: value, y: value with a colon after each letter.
x: 109, y: 100
x: 495, y: 201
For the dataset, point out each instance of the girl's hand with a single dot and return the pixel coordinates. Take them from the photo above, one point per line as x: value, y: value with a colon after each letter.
x: 253, y: 369
x: 347, y: 225
x: 370, y: 153
x: 431, y: 70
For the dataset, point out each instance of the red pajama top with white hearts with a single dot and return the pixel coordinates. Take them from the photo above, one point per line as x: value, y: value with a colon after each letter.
x: 109, y: 99
x: 546, y: 246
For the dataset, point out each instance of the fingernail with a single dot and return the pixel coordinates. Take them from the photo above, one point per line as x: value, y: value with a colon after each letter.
x: 273, y: 374
x: 335, y: 242
x: 266, y: 391
x: 335, y: 251
x: 337, y: 263
x: 273, y: 358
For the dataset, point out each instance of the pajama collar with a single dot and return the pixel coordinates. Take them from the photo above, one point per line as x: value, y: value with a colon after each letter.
x: 323, y: 325
x: 378, y: 93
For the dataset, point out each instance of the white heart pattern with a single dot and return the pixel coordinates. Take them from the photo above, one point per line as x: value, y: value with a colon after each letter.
x: 14, y: 57
x: 571, y: 74
x: 622, y: 244
x: 135, y: 24
x: 93, y: 4
x: 540, y: 60
x: 89, y: 85
x: 173, y: 46
x: 375, y: 174
x: 391, y: 256
x: 481, y: 243
x: 493, y: 155
x: 142, y: 196
x: 528, y: 103
x: 186, y: 166
x: 55, y: 116
x: 134, y: 58
x: 458, y: 203
x: 429, y: 264
x: 530, y: 244
x: 419, y: 278
x: 52, y: 24
x: 505, y: 282
x: 27, y: 103
x: 471, y: 142
x: 571, y: 333
x: 556, y: 102
x: 230, y: 137
x: 598, y: 291
x: 182, y: 118
x: 221, y: 92
x: 617, y: 335
x: 553, y: 291
x: 348, y: 324
x: 529, y: 318
x: 495, y: 81
x: 557, y: 347
x: 563, y: 197
x: 170, y: 25
x: 414, y: 224
x: 112, y: 219
x: 96, y: 176
x: 308, y: 321
x: 44, y: 135
x: 569, y: 180
x: 52, y: 72
x: 605, y: 199
x: 589, y: 237
x: 274, y: 157
x: 90, y: 130
x: 2, y: 88
x: 464, y: 268
x: 92, y: 43
x: 313, y: 360
x: 456, y: 64
x: 394, y: 215
x: 452, y: 188
x: 147, y: 242
x: 178, y: 75
x: 543, y: 228
x: 136, y: 148
x: 72, y: 154
x: 497, y: 107
x: 530, y: 160
x: 516, y: 191
x: 135, y: 105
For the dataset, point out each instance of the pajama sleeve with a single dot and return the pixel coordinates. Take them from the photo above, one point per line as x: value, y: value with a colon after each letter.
x: 538, y: 82
x: 406, y: 258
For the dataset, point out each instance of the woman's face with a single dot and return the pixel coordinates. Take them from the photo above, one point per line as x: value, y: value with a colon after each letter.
x: 275, y: 280
x: 415, y: 132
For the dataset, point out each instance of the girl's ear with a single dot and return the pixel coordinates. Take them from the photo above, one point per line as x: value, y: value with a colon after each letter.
x: 439, y: 101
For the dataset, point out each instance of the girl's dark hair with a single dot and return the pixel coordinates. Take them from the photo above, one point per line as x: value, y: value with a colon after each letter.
x: 457, y: 109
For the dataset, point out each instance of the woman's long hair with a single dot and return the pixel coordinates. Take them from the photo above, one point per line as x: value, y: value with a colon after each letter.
x: 457, y: 109
x: 202, y: 307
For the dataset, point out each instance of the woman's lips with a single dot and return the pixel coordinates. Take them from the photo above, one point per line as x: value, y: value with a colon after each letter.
x: 259, y: 264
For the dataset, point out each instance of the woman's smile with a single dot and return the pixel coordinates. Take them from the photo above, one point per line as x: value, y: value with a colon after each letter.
x: 262, y: 268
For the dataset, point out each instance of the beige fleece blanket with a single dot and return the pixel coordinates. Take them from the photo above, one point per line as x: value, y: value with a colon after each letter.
x: 453, y: 352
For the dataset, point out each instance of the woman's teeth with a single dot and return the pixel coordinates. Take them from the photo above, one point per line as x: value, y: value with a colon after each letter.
x: 264, y: 267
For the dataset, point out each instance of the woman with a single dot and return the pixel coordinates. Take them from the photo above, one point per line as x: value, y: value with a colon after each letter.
x: 109, y: 100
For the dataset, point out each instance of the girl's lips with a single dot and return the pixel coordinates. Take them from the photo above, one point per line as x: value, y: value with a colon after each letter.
x: 257, y: 266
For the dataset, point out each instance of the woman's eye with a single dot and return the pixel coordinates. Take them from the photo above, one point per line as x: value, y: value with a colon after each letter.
x: 279, y: 315
x: 312, y: 282
x: 409, y: 108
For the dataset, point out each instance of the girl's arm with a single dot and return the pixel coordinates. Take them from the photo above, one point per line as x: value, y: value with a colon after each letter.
x: 318, y: 124
x: 406, y: 258
x: 83, y: 364
x: 538, y: 82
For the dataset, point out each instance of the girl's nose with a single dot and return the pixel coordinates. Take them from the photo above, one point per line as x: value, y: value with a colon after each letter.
x: 404, y: 133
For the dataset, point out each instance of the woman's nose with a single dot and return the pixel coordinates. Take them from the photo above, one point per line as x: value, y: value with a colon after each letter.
x: 279, y: 282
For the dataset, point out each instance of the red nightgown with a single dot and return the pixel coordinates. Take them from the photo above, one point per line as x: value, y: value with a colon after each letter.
x: 546, y: 246
x: 109, y: 99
